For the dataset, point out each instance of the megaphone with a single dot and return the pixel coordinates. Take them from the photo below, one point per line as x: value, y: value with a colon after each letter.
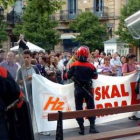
x: 133, y: 25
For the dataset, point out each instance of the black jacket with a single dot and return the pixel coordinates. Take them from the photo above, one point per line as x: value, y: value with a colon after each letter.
x: 9, y: 92
x: 82, y: 71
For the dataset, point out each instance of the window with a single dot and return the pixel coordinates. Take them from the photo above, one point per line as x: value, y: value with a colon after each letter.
x: 99, y: 5
x: 72, y: 6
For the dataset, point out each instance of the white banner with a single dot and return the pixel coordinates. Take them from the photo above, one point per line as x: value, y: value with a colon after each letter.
x: 108, y: 91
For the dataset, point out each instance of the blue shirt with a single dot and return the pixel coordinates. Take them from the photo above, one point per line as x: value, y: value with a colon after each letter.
x: 11, y: 67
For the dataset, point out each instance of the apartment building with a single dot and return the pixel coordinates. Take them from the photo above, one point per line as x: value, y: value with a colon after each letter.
x: 13, y: 16
x: 108, y: 12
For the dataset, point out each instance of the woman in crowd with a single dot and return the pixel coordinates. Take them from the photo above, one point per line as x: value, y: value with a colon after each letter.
x: 123, y: 59
x: 41, y: 65
x: 109, y: 55
x: 130, y: 68
x: 51, y: 69
x: 60, y: 67
x: 107, y: 69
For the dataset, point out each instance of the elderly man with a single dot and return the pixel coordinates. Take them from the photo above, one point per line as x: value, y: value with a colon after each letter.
x: 10, y: 65
x: 116, y: 63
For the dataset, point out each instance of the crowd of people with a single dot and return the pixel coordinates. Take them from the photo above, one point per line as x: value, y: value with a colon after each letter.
x: 53, y: 66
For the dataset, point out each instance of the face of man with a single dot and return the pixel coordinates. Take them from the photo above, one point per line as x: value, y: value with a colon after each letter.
x: 10, y: 57
x: 114, y: 55
x: 97, y: 52
x: 27, y: 59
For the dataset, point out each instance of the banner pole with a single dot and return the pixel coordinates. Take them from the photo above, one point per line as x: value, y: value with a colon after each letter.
x: 59, y: 130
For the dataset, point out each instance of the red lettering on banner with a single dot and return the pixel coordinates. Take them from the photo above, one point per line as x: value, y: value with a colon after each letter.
x: 56, y: 104
x: 115, y: 92
x: 115, y: 104
x: 98, y: 94
x: 134, y: 99
x: 124, y: 103
x: 108, y: 105
x: 99, y: 106
x: 124, y: 93
x: 105, y: 92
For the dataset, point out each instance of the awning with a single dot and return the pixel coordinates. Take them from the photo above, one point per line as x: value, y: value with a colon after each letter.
x: 67, y: 36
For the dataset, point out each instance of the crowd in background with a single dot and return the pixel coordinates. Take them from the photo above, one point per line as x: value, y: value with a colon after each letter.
x: 53, y: 66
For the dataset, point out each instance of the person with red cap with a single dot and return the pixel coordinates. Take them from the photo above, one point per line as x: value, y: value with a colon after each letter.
x: 82, y: 72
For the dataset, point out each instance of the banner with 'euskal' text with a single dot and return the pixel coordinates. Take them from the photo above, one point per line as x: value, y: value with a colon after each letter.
x: 49, y: 97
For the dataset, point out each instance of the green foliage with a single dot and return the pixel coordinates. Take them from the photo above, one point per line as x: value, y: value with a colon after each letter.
x: 48, y: 5
x: 37, y: 25
x: 5, y: 3
x: 92, y: 33
x: 3, y: 33
x: 124, y: 35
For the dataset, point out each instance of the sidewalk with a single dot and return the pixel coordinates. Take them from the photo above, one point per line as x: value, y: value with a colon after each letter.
x: 114, y: 125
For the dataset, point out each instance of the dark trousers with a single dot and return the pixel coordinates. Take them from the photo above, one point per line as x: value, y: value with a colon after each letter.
x: 3, y: 129
x: 80, y: 94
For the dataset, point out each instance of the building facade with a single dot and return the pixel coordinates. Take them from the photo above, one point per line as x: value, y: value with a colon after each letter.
x: 13, y: 16
x: 108, y: 12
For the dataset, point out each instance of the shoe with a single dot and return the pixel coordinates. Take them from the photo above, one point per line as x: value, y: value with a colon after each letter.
x: 93, y: 129
x: 82, y: 130
x: 133, y: 118
x: 45, y: 133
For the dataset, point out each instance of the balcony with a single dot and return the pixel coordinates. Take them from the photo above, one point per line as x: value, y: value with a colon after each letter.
x: 101, y: 12
x: 65, y: 15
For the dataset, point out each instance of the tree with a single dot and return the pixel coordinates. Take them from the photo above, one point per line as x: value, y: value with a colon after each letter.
x: 92, y: 33
x: 5, y: 3
x: 124, y: 35
x: 37, y: 25
x: 3, y: 23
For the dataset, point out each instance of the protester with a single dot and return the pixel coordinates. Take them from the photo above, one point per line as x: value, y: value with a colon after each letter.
x: 9, y: 92
x: 52, y: 52
x: 41, y: 53
x: 129, y: 67
x: 41, y: 65
x: 17, y: 61
x: 35, y: 56
x: 74, y: 57
x: 109, y: 55
x: 22, y: 42
x: 101, y: 59
x: 106, y: 68
x: 51, y: 69
x: 82, y: 73
x: 72, y: 60
x: 34, y: 62
x: 96, y: 53
x: 26, y: 72
x: 116, y: 63
x: 60, y: 67
x: 123, y: 59
x: 10, y: 65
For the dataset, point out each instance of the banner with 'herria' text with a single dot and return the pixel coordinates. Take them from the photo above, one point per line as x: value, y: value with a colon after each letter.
x: 49, y: 97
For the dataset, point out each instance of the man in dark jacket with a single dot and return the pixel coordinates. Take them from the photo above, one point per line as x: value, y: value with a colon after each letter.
x: 9, y: 92
x: 83, y: 72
